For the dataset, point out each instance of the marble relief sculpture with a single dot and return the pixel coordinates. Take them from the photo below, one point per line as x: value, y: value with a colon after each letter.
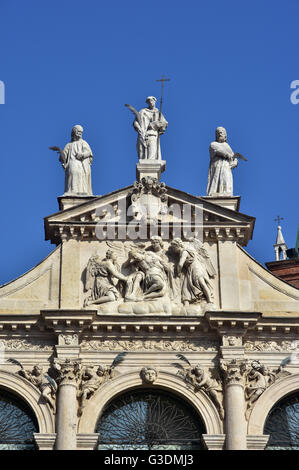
x: 76, y: 160
x: 150, y: 124
x: 200, y: 379
x: 91, y: 379
x: 195, y: 268
x: 100, y: 279
x: 148, y: 375
x: 222, y: 161
x: 133, y: 272
x: 46, y: 384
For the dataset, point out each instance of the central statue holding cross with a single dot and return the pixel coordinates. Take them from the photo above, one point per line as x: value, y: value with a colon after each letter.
x: 150, y: 124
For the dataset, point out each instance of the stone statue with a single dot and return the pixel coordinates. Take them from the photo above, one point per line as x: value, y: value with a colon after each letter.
x: 149, y: 124
x: 258, y: 378
x: 200, y: 379
x: 43, y: 382
x: 100, y: 276
x: 148, y: 375
x: 222, y: 161
x: 76, y: 160
x: 91, y: 380
x: 196, y: 269
x: 149, y: 281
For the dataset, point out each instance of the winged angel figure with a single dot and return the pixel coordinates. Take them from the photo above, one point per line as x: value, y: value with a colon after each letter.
x: 104, y: 280
x: 195, y: 268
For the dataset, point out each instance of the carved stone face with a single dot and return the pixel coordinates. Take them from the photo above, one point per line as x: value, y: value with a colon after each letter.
x: 77, y: 132
x: 36, y: 370
x: 221, y: 135
x: 198, y: 371
x: 156, y: 246
x: 100, y: 371
x: 151, y: 102
x: 149, y: 375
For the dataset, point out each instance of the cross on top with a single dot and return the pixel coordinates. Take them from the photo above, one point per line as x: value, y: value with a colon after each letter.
x: 278, y: 219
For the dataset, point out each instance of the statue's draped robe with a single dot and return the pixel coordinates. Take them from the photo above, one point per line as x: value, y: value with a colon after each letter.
x: 77, y: 172
x: 220, y: 179
x: 152, y: 122
x: 194, y: 269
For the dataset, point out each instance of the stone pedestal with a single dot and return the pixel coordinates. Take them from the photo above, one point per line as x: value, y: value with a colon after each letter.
x: 230, y: 202
x: 66, y: 417
x: 65, y: 202
x: 152, y: 168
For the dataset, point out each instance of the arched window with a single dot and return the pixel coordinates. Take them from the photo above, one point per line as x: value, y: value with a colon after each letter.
x: 283, y: 424
x: 146, y: 420
x: 17, y: 423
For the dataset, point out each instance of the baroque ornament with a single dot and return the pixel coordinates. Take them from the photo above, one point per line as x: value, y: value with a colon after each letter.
x: 46, y: 384
x: 180, y: 276
x: 149, y: 345
x: 91, y: 379
x: 148, y: 375
x: 258, y: 378
x: 148, y: 199
x: 200, y: 379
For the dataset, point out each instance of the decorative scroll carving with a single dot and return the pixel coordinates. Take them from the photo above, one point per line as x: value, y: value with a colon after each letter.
x: 26, y: 344
x: 148, y: 375
x: 270, y: 345
x: 149, y: 199
x: 148, y: 345
x: 200, y: 379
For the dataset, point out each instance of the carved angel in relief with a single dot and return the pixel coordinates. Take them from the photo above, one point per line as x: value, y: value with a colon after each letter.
x: 46, y: 384
x: 100, y: 275
x: 200, y: 379
x: 91, y: 380
x: 196, y: 269
x: 258, y: 379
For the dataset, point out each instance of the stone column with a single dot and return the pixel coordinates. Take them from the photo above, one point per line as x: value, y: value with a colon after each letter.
x: 235, y: 422
x: 66, y: 418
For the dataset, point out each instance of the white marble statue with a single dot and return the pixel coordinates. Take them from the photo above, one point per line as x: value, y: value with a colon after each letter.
x: 222, y: 160
x: 76, y: 160
x: 149, y: 124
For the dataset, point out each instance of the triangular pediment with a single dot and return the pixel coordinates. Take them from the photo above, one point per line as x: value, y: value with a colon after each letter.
x: 162, y: 208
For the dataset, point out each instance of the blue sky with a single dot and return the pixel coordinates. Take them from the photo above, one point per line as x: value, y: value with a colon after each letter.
x: 69, y: 62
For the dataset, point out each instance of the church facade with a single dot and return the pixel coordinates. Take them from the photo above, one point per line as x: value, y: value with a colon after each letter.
x: 149, y: 326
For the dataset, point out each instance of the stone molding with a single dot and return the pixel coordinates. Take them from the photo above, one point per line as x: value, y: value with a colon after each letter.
x: 169, y: 382
x: 31, y: 395
x: 257, y: 442
x: 267, y: 400
x: 45, y: 441
x: 214, y: 442
x: 87, y: 441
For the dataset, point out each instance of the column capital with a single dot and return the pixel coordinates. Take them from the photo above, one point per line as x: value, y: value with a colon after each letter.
x: 233, y: 371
